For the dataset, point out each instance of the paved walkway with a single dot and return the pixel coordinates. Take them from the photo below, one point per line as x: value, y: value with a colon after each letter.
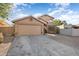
x: 41, y: 46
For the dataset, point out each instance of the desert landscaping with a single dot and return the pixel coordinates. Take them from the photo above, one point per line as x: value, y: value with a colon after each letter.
x: 26, y: 32
x: 22, y: 39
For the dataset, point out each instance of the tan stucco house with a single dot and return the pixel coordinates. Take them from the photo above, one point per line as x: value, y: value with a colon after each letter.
x: 28, y: 26
x: 31, y: 26
x: 46, y: 18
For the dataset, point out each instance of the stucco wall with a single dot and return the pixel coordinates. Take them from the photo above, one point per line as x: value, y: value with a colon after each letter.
x: 66, y: 31
x: 7, y: 31
x: 75, y: 32
x: 70, y: 32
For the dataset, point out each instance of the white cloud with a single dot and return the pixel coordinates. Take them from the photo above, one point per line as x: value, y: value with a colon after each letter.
x: 55, y: 11
x: 15, y: 5
x: 37, y: 14
x: 61, y: 8
x: 64, y: 13
x: 16, y: 16
x: 17, y: 12
x: 21, y: 15
x: 71, y: 17
x: 63, y: 5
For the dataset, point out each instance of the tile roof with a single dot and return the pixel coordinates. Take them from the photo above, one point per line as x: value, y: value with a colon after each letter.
x: 38, y: 19
x: 3, y: 23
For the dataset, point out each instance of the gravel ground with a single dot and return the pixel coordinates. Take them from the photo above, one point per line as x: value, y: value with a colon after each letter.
x: 43, y: 45
x: 4, y: 47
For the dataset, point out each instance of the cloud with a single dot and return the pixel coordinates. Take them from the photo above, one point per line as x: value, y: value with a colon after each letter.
x: 37, y: 14
x: 58, y: 12
x: 61, y: 8
x: 15, y: 5
x: 63, y: 12
x: 71, y: 17
x: 62, y: 5
x: 21, y: 15
x: 18, y: 12
x: 16, y: 16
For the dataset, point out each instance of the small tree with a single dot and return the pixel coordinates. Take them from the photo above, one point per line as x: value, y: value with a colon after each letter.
x: 56, y: 22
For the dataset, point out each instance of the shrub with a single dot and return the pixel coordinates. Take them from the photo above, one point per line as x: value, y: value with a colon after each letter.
x: 56, y: 22
x: 1, y: 38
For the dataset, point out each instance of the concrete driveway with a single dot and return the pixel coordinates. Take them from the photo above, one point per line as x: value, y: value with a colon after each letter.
x: 42, y: 45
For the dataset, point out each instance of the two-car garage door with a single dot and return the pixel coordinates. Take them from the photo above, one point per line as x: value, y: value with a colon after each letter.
x: 28, y: 30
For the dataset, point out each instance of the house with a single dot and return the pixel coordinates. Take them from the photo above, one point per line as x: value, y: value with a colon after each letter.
x: 6, y: 28
x: 3, y: 23
x: 47, y: 20
x: 31, y: 25
x: 76, y: 26
x: 71, y: 30
x: 28, y: 26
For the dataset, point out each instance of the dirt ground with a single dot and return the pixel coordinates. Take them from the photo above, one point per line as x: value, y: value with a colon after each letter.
x: 4, y: 47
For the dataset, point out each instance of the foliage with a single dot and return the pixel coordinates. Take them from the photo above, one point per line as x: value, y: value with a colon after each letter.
x: 4, y: 9
x: 64, y: 22
x: 56, y: 22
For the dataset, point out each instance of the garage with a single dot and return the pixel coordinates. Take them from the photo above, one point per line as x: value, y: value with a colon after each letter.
x: 28, y: 29
x: 28, y: 26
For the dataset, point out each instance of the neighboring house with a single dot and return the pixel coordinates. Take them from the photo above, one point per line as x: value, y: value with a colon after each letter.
x: 64, y: 26
x: 61, y: 26
x: 6, y: 28
x: 3, y: 23
x: 71, y: 30
x: 76, y: 26
x: 28, y: 26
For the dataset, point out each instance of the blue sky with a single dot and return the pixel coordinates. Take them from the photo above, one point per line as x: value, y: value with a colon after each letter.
x: 63, y: 11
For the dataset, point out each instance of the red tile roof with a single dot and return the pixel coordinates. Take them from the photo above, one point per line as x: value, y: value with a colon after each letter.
x: 3, y: 23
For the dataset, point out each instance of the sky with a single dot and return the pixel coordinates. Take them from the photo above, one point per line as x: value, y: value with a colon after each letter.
x: 63, y: 11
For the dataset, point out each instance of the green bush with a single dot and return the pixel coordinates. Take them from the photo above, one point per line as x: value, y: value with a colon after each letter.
x: 56, y: 22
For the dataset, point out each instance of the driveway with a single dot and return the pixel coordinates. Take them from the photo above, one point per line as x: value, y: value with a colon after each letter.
x: 43, y: 45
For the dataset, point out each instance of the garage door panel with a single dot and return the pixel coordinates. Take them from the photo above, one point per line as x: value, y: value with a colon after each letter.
x: 28, y: 30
